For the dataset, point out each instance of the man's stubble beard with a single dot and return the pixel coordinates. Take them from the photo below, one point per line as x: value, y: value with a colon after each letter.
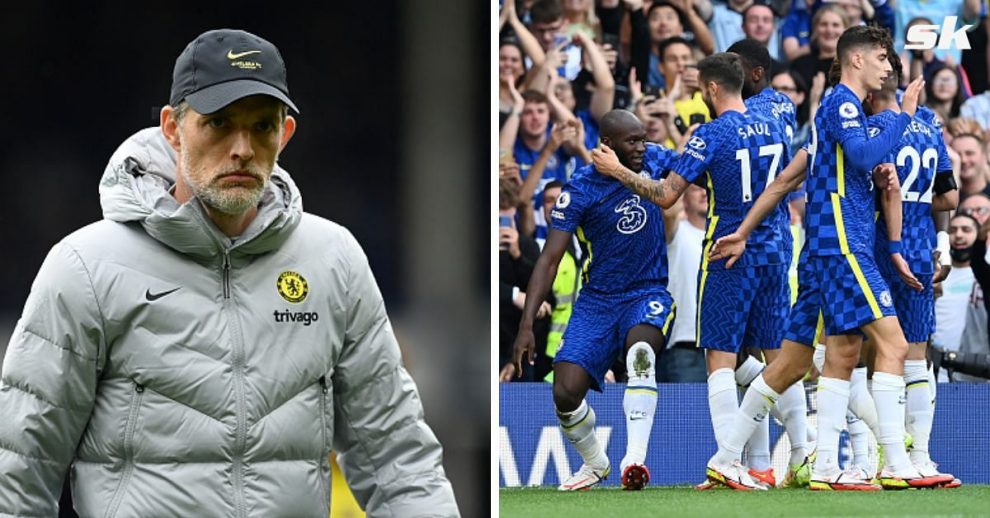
x: 235, y: 200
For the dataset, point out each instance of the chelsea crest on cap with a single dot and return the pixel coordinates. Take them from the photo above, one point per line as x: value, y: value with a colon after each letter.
x: 222, y: 66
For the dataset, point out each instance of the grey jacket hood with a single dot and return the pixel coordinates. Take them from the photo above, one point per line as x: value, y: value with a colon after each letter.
x: 136, y: 188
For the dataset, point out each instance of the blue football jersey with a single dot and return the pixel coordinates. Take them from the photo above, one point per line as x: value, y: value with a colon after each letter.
x: 623, y: 233
x: 740, y: 154
x: 658, y: 160
x: 772, y: 104
x: 918, y: 156
x: 839, y: 215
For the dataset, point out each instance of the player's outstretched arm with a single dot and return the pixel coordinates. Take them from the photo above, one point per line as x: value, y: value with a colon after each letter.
x: 732, y: 246
x: 544, y: 273
x: 662, y: 192
x: 890, y: 199
x: 863, y: 152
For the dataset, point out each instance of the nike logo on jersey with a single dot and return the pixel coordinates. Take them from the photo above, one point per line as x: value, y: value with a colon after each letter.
x: 155, y: 296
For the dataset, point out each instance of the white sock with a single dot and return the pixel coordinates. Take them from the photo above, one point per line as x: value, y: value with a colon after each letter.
x: 888, y: 393
x: 932, y: 385
x: 722, y: 401
x: 758, y: 447
x: 748, y: 371
x: 751, y: 413
x: 918, y: 408
x: 639, y: 402
x: 859, y: 439
x: 860, y: 402
x: 833, y: 401
x: 818, y: 359
x: 579, y: 428
x: 794, y: 414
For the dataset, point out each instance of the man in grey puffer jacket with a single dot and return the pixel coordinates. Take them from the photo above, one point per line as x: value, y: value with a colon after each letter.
x: 201, y: 350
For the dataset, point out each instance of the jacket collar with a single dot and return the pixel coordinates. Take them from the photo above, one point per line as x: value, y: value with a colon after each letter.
x: 136, y: 187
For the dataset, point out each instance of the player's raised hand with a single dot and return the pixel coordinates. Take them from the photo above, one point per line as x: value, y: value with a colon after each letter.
x: 909, y: 104
x: 902, y: 269
x: 524, y: 345
x: 730, y: 247
x: 606, y: 161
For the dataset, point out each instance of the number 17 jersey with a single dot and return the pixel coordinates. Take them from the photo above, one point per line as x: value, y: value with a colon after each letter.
x: 739, y: 154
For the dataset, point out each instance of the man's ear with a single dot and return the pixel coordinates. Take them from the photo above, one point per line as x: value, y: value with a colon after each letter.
x: 607, y: 141
x: 758, y: 75
x: 857, y: 59
x: 170, y: 127
x: 288, y: 130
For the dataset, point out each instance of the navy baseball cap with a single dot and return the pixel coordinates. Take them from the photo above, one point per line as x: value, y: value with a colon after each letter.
x: 222, y: 66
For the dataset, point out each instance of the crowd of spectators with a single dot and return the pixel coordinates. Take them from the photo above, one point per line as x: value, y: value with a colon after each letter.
x: 564, y: 63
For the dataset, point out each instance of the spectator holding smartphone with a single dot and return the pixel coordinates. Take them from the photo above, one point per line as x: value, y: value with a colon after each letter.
x: 516, y: 257
x: 550, y: 28
x: 680, y: 68
x: 663, y: 20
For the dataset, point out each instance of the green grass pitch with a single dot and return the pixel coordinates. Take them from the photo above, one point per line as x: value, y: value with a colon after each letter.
x: 545, y: 502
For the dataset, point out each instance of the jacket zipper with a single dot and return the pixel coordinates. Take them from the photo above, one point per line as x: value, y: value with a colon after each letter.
x: 324, y: 450
x: 128, y: 454
x: 226, y: 275
x: 237, y: 366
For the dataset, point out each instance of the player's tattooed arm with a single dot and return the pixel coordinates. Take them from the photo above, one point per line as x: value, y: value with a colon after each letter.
x: 662, y: 192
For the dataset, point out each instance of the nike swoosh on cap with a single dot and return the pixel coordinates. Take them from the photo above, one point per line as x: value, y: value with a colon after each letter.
x: 231, y: 55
